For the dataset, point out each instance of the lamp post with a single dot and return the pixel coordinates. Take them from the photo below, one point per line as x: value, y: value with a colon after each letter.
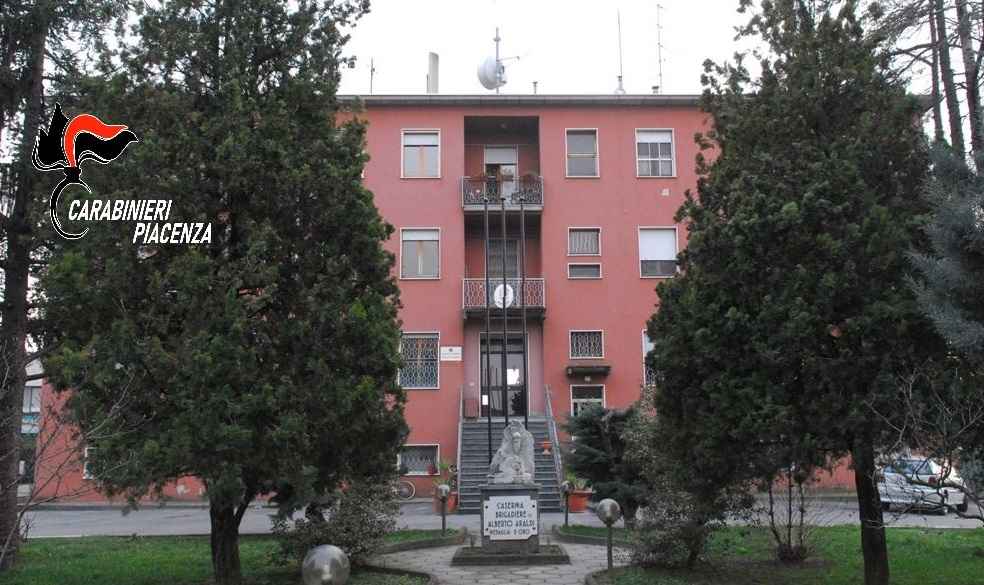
x: 565, y: 488
x: 522, y: 297
x: 443, y: 491
x: 609, y: 512
x: 505, y: 297
x: 488, y: 327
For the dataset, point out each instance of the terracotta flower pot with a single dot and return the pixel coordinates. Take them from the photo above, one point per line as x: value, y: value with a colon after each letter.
x: 577, y: 501
x: 546, y: 446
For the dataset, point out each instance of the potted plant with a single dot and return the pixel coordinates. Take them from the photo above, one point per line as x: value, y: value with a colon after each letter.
x: 577, y: 500
x: 447, y: 473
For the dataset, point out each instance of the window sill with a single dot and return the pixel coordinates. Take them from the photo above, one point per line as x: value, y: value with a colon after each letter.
x: 421, y: 177
x: 657, y: 277
x: 585, y: 278
x: 657, y: 177
x: 582, y: 176
x: 420, y: 278
x: 422, y: 388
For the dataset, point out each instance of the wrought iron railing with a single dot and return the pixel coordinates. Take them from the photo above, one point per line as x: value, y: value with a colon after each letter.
x: 554, y: 437
x: 475, y: 189
x: 474, y: 295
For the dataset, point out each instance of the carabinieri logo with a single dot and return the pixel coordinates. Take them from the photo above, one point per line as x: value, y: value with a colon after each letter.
x: 67, y: 144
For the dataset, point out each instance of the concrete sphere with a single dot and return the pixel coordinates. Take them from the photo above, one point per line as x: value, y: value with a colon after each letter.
x: 566, y: 487
x: 608, y: 511
x: 443, y: 491
x: 325, y: 565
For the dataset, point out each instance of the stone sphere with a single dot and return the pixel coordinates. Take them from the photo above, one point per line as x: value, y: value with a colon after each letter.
x: 608, y: 511
x: 566, y: 487
x: 325, y: 565
x: 443, y: 491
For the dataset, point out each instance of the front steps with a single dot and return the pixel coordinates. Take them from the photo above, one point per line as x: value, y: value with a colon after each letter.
x: 475, y: 464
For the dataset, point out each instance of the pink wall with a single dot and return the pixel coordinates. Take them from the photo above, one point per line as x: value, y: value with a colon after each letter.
x: 618, y: 202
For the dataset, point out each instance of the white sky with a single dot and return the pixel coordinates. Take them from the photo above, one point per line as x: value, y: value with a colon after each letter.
x: 568, y: 46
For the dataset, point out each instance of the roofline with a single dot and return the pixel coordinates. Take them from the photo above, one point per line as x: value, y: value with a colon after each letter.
x: 687, y: 100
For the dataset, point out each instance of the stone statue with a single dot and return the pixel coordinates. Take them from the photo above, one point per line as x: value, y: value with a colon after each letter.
x: 513, y: 462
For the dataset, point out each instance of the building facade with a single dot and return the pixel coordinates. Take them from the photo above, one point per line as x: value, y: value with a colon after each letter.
x: 600, y: 179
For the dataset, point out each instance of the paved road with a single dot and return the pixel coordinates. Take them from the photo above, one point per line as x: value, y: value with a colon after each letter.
x: 180, y: 521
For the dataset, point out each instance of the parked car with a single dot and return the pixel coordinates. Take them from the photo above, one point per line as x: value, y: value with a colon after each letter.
x: 914, y: 483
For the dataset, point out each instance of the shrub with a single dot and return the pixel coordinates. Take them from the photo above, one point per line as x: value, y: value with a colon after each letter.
x: 598, y: 455
x: 358, y: 519
x: 679, y: 512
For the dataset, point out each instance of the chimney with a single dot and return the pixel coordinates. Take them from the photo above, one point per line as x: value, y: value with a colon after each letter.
x: 432, y: 62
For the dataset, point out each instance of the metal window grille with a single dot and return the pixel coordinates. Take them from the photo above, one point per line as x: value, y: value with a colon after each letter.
x: 586, y: 344
x: 583, y: 242
x: 419, y: 459
x: 420, y: 360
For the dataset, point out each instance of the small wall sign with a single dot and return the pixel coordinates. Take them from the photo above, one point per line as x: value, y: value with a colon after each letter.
x: 510, y: 518
x: 450, y: 353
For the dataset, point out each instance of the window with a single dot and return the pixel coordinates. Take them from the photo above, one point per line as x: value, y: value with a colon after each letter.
x: 587, y: 344
x: 576, y: 271
x: 421, y: 253
x: 657, y: 252
x: 418, y: 459
x: 86, y: 471
x: 584, y: 241
x: 582, y: 153
x: 654, y: 153
x: 586, y: 396
x: 648, y: 374
x: 420, y: 360
x: 31, y: 410
x: 421, y: 153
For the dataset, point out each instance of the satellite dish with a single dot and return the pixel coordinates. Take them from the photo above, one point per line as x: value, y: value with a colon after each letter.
x: 503, y: 295
x: 492, y: 73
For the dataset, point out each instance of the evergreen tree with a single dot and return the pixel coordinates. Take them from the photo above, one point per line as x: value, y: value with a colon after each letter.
x: 264, y: 362
x: 784, y: 334
x: 598, y: 455
x: 950, y: 287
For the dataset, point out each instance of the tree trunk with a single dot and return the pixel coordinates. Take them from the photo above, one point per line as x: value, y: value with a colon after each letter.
x: 873, y: 545
x: 14, y: 309
x: 949, y: 86
x: 224, y: 540
x: 970, y: 80
x: 935, y: 70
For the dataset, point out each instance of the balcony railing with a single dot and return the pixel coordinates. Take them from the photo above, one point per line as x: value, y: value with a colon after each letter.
x: 474, y: 295
x: 475, y: 189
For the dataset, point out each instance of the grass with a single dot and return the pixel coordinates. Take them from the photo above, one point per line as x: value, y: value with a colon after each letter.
x: 596, y: 531
x: 159, y: 561
x: 743, y: 556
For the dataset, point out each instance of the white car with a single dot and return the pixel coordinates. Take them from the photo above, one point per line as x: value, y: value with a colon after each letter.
x: 914, y: 482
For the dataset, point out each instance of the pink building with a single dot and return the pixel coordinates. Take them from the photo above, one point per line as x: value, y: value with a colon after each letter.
x: 601, y: 178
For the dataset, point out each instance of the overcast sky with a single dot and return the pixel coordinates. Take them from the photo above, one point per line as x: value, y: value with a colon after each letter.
x: 568, y: 46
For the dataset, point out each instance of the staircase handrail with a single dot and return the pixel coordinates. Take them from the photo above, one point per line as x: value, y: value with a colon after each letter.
x: 461, y: 422
x: 554, y: 439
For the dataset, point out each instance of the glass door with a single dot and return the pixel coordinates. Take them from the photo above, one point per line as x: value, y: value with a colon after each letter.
x: 492, y: 367
x: 502, y: 162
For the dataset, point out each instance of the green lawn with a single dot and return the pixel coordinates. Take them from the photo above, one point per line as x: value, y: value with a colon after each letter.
x: 743, y: 556
x: 160, y: 561
x: 412, y: 534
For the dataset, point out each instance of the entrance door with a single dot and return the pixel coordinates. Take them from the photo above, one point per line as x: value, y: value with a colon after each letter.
x: 492, y: 365
x: 503, y: 162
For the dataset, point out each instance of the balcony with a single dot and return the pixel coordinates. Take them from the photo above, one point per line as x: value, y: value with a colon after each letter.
x: 474, y: 297
x: 529, y: 189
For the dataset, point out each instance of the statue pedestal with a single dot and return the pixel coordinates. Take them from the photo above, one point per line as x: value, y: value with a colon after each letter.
x: 511, y: 518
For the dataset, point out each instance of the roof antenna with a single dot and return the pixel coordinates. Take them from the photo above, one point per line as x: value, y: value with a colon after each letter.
x: 659, y: 49
x: 619, y: 90
x: 372, y: 72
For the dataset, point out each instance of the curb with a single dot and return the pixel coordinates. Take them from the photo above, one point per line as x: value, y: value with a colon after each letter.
x: 431, y: 579
x: 425, y: 543
x: 590, y: 578
x: 584, y: 539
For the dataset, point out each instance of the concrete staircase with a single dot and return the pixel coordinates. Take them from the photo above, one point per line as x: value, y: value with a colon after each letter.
x: 475, y: 464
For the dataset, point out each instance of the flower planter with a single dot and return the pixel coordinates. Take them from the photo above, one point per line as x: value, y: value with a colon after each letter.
x: 452, y: 503
x: 577, y: 501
